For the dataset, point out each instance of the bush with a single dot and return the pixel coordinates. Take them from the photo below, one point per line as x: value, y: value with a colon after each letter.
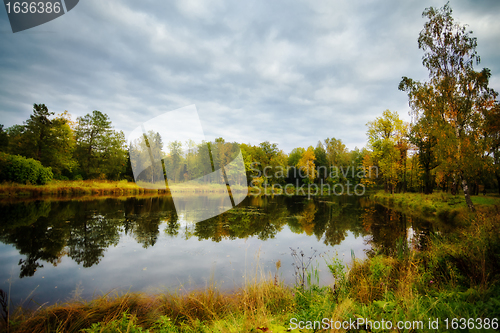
x: 23, y: 170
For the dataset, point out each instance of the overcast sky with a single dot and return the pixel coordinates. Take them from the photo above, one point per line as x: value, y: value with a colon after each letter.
x: 289, y: 72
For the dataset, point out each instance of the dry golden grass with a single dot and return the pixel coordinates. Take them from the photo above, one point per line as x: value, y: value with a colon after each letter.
x: 259, y: 301
x: 80, y: 187
x: 99, y: 187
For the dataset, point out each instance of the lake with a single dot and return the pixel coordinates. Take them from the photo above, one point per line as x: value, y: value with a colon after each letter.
x: 53, y: 250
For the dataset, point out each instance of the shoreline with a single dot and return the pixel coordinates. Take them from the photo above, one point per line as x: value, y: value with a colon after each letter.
x: 439, y: 206
x: 96, y: 188
x: 73, y: 189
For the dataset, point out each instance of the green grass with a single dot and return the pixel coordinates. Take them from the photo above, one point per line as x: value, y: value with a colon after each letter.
x: 440, y: 205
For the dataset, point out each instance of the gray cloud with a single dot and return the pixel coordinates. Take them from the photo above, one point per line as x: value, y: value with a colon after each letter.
x: 291, y: 72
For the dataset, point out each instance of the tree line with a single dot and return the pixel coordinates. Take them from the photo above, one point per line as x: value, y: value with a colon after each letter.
x: 452, y: 142
x: 88, y: 148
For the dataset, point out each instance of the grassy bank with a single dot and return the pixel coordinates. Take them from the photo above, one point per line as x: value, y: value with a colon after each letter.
x: 123, y: 187
x: 72, y: 188
x: 97, y: 187
x: 444, y: 206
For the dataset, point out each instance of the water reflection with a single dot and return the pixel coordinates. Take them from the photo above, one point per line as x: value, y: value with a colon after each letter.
x: 393, y: 232
x: 139, y: 242
x: 46, y: 231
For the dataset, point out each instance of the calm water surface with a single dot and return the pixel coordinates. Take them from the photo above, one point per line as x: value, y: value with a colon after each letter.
x: 50, y: 249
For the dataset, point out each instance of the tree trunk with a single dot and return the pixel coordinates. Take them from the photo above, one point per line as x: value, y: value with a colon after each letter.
x: 498, y: 182
x: 467, y: 196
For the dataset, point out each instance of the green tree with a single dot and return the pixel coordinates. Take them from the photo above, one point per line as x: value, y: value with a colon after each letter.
x: 385, y: 137
x: 458, y: 97
x: 59, y: 148
x: 173, y: 163
x: 4, y: 139
x: 145, y: 155
x: 321, y: 161
x: 16, y: 139
x: 38, y: 131
x: 47, y: 140
x: 295, y: 156
x: 492, y: 133
x: 266, y: 160
x: 424, y: 139
x: 99, y: 149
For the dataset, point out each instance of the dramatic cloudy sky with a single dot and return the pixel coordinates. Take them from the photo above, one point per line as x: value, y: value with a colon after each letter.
x: 291, y: 72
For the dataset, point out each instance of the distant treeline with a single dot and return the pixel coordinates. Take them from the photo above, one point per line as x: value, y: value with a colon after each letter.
x: 397, y: 158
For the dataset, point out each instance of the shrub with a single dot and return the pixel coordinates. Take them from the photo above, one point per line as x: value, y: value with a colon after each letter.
x: 23, y: 170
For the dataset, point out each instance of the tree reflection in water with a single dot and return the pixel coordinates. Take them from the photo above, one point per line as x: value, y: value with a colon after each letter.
x: 45, y: 231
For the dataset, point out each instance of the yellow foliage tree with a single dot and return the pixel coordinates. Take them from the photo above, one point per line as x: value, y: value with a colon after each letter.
x: 306, y: 164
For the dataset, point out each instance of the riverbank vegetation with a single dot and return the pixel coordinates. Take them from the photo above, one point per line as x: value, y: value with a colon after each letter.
x: 70, y: 188
x: 442, y: 205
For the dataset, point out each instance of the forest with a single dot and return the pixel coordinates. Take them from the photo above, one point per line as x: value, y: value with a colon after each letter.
x: 452, y: 143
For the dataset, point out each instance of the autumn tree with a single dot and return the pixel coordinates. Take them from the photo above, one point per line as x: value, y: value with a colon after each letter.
x: 337, y: 156
x: 336, y: 152
x: 307, y: 166
x: 265, y: 163
x: 386, y: 136
x: 456, y: 98
x: 224, y: 156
